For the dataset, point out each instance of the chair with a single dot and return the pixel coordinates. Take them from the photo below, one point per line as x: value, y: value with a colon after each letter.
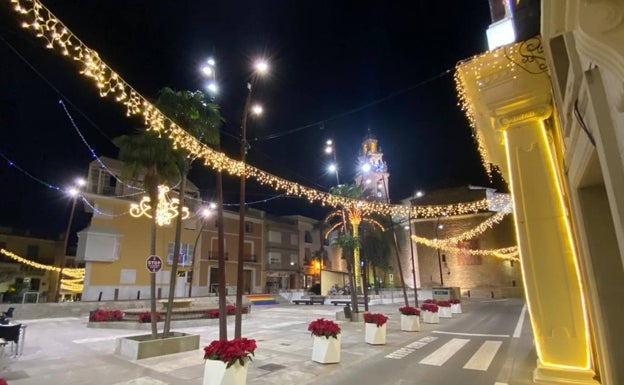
x: 11, y: 333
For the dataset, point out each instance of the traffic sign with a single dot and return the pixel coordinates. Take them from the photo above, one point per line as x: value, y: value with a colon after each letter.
x: 153, y: 263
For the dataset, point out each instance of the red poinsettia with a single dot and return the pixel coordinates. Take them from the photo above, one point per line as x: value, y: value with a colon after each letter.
x: 3, y: 381
x: 430, y: 301
x: 238, y: 349
x: 324, y: 328
x: 101, y: 315
x: 409, y: 310
x: 375, y: 318
x: 432, y: 307
x: 444, y: 303
x: 146, y: 317
x: 455, y: 301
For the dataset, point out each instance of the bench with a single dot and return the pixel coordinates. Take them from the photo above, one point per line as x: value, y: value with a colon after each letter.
x: 177, y: 303
x: 337, y: 302
x: 310, y: 301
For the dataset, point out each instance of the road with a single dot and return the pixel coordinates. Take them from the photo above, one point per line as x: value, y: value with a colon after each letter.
x: 489, y: 344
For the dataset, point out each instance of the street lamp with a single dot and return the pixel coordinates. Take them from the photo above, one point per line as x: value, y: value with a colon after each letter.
x: 439, y: 226
x: 74, y: 192
x: 260, y: 68
x: 331, y: 150
x: 204, y: 213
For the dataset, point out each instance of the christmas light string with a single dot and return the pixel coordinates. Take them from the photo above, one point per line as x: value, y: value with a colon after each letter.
x: 108, y: 82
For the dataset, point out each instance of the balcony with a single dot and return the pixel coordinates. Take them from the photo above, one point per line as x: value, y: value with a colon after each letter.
x: 214, y: 255
x: 282, y: 266
x: 250, y: 258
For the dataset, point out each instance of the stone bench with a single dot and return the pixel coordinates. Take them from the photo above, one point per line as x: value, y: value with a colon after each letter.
x: 177, y: 303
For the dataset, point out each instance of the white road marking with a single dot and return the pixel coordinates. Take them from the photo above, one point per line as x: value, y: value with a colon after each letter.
x: 445, y: 352
x: 518, y: 329
x: 472, y: 334
x: 482, y: 359
x: 404, y: 351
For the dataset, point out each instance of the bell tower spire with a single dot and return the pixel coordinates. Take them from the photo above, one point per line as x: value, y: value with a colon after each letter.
x: 372, y: 172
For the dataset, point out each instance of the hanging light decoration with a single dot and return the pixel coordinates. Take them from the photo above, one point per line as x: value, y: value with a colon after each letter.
x: 166, y: 209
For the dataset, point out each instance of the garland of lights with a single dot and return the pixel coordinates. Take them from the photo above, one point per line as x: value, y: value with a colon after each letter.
x: 509, y: 253
x: 46, y: 26
x: 166, y: 209
x: 76, y: 274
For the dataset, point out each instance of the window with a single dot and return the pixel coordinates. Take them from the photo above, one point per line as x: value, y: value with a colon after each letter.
x: 275, y: 236
x: 275, y: 258
x: 294, y: 239
x: 32, y: 251
x: 249, y: 227
x: 186, y: 254
x: 308, y: 237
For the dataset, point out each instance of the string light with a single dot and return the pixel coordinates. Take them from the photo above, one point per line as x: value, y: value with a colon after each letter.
x: 72, y: 273
x: 38, y: 18
x: 166, y: 209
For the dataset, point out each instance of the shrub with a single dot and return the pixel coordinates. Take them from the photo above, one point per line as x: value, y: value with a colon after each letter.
x: 375, y: 318
x: 238, y: 349
x: 103, y: 315
x: 408, y: 310
x: 147, y: 317
x: 324, y: 328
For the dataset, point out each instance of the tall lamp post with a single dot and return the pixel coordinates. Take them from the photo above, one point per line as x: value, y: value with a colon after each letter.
x: 74, y: 192
x: 260, y: 68
x: 205, y: 213
x: 439, y: 226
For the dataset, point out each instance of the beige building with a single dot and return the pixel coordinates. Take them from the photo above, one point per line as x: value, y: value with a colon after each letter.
x: 548, y: 110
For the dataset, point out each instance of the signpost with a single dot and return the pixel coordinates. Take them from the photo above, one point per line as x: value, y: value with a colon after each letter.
x: 153, y: 263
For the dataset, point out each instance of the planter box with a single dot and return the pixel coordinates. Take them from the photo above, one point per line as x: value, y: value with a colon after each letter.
x: 326, y: 350
x: 143, y: 346
x: 456, y: 308
x: 430, y: 317
x: 444, y: 312
x: 375, y: 335
x: 410, y: 323
x: 216, y: 373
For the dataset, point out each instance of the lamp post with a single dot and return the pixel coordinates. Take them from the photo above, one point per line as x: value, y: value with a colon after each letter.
x: 209, y: 71
x: 330, y: 149
x: 74, y: 192
x: 439, y: 227
x: 411, y: 242
x: 205, y: 213
x: 260, y: 68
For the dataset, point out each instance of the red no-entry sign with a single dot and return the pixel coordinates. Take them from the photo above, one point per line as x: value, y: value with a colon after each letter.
x: 153, y: 263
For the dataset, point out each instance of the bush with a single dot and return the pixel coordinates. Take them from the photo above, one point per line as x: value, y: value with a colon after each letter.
x: 147, y: 317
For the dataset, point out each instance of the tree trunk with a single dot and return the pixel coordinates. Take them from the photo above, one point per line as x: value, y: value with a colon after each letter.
x: 365, y: 285
x: 398, y: 258
x: 376, y: 284
x: 153, y: 282
x: 176, y: 252
x: 221, y: 250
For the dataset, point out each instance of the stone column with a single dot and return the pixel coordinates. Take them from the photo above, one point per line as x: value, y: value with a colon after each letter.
x: 549, y: 264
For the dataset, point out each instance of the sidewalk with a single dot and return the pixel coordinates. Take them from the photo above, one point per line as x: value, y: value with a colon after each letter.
x: 65, y: 352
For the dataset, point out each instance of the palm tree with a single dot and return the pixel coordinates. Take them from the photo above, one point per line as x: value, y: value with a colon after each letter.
x: 146, y: 155
x: 376, y: 251
x: 200, y: 118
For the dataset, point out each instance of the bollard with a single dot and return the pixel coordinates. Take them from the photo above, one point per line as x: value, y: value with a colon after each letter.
x: 492, y: 294
x: 138, y: 294
x: 100, y: 297
x: 159, y: 296
x: 347, y: 312
x: 116, y: 296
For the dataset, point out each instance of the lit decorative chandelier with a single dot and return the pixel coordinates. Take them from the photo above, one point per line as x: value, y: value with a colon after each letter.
x: 166, y: 209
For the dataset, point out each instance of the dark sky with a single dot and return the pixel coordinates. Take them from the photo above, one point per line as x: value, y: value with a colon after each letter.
x: 345, y: 66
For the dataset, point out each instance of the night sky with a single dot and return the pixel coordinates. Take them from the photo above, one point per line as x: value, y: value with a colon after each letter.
x: 337, y: 69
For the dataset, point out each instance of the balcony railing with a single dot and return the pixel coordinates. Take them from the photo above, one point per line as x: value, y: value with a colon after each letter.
x: 214, y: 255
x: 250, y: 258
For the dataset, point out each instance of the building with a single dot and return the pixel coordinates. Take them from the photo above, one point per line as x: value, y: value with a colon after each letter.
x: 477, y: 275
x: 115, y: 245
x: 23, y: 277
x: 547, y: 110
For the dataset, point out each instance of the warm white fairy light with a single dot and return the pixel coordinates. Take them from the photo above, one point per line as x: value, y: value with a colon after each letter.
x: 46, y: 26
x: 166, y: 209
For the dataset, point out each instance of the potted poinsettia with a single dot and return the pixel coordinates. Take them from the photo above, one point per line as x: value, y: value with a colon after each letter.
x: 326, y: 347
x: 375, y: 324
x: 410, y: 319
x: 430, y: 313
x: 456, y: 306
x: 444, y: 309
x: 225, y: 361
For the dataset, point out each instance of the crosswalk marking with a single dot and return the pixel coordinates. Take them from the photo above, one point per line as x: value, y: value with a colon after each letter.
x: 482, y: 359
x: 404, y: 351
x: 445, y: 352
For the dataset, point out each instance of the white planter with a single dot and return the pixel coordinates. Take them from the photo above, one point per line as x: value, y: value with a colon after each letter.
x: 456, y: 308
x: 375, y: 335
x: 430, y: 317
x: 410, y: 323
x: 326, y: 350
x: 444, y: 312
x: 216, y: 373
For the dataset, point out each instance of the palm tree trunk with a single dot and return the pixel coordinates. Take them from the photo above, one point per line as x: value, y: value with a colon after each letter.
x: 375, y: 280
x: 153, y: 282
x: 176, y: 252
x: 357, y: 272
x: 221, y: 251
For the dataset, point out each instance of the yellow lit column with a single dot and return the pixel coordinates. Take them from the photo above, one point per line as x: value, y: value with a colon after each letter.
x: 549, y: 264
x: 506, y: 94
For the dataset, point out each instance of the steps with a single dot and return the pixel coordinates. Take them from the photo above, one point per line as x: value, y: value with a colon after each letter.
x: 262, y: 299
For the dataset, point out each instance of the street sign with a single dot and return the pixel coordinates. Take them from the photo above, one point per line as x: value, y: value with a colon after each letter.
x: 153, y: 263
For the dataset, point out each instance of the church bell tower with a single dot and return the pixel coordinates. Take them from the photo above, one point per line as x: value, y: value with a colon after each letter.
x: 372, y: 172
